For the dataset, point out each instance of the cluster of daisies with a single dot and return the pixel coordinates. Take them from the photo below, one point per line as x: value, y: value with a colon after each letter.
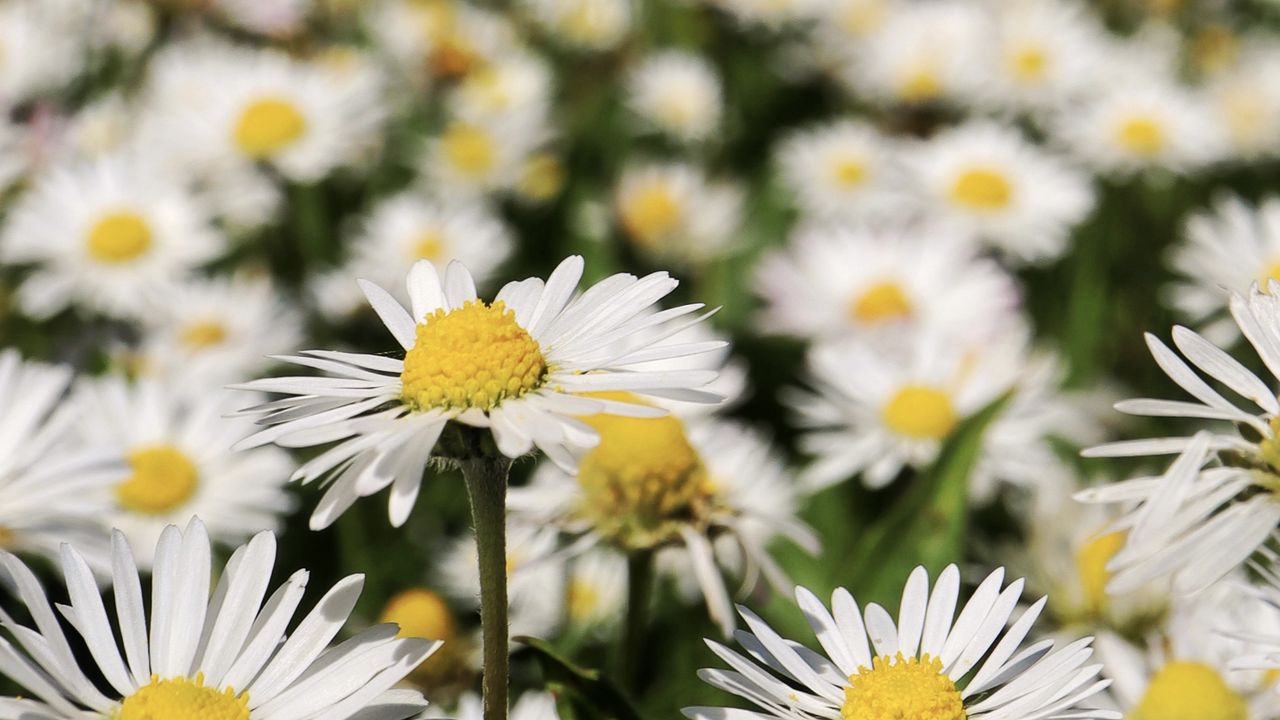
x: 263, y: 260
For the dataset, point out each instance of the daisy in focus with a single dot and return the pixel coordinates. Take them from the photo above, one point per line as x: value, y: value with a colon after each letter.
x: 989, y: 182
x: 51, y: 490
x: 678, y: 94
x: 199, y: 655
x: 925, y: 666
x: 842, y: 171
x: 833, y: 283
x: 514, y: 370
x: 1232, y: 245
x: 111, y: 236
x: 673, y: 212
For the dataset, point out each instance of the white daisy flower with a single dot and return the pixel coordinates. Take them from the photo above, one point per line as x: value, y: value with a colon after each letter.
x: 850, y: 19
x: 927, y: 666
x: 990, y: 182
x: 218, y: 331
x: 514, y: 368
x: 833, y: 283
x: 1232, y: 245
x: 1246, y: 101
x: 588, y: 24
x: 516, y: 86
x: 1191, y: 523
x: 409, y: 227
x: 51, y: 490
x: 446, y: 37
x: 674, y: 212
x: 704, y: 493
x: 469, y: 158
x: 842, y: 171
x: 1136, y: 125
x: 874, y: 411
x: 110, y: 236
x: 677, y: 93
x: 101, y: 129
x: 597, y: 591
x: 922, y: 53
x: 224, y: 655
x: 43, y: 43
x: 176, y: 444
x: 536, y: 583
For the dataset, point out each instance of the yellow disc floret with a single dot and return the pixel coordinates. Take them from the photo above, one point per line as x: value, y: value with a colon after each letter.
x: 268, y: 126
x: 920, y: 84
x: 921, y: 412
x: 475, y: 356
x: 7, y: 538
x: 982, y: 189
x: 420, y: 613
x: 469, y: 149
x: 902, y: 689
x: 651, y: 211
x: 428, y: 245
x: 848, y: 172
x: 204, y: 334
x: 880, y: 302
x: 1141, y: 135
x: 1091, y: 566
x: 1184, y: 690
x: 1028, y: 64
x: 119, y: 237
x: 644, y: 480
x: 183, y: 699
x: 163, y: 479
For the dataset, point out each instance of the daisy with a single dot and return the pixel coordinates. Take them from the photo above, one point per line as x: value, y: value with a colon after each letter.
x: 597, y: 591
x: 1231, y: 245
x: 672, y: 211
x: 1246, y: 102
x: 514, y: 368
x: 986, y: 180
x: 111, y: 236
x: 409, y: 227
x: 516, y: 86
x: 677, y: 93
x: 471, y: 158
x: 213, y: 332
x: 703, y: 493
x: 587, y: 24
x: 43, y: 44
x: 439, y: 39
x: 177, y: 446
x: 1191, y: 523
x: 224, y: 655
x: 51, y: 489
x: 833, y: 283
x: 927, y: 666
x: 842, y: 171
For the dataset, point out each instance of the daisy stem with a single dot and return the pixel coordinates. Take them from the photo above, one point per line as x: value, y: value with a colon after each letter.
x: 639, y: 590
x: 486, y: 479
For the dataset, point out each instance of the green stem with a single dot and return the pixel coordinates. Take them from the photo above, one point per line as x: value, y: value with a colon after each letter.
x: 486, y: 479
x: 639, y: 591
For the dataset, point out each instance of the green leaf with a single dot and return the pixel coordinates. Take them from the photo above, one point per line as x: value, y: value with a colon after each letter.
x: 598, y: 696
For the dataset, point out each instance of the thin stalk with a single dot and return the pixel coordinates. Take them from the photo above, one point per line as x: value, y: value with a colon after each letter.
x: 486, y: 479
x: 639, y: 592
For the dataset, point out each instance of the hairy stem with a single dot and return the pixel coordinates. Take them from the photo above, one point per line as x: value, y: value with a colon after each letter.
x: 486, y: 479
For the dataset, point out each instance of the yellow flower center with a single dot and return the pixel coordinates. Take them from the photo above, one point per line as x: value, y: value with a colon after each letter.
x: 1272, y: 273
x: 7, y: 538
x: 204, y: 334
x: 163, y: 479
x: 420, y: 613
x: 848, y: 172
x: 1028, y: 64
x: 541, y: 178
x: 1246, y: 118
x: 644, y: 480
x: 902, y: 689
x: 919, y: 85
x: 584, y: 23
x: 921, y: 412
x: 473, y: 357
x: 428, y: 246
x: 651, y: 211
x: 452, y: 56
x: 982, y: 189
x: 1141, y: 135
x: 119, y: 237
x: 1184, y: 690
x: 583, y: 600
x: 268, y: 126
x: 1091, y: 566
x: 184, y: 699
x: 882, y: 302
x: 469, y: 149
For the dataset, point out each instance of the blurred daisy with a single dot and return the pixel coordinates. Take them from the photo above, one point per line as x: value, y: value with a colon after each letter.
x: 111, y: 236
x: 514, y: 368
x: 409, y: 227
x: 1259, y: 632
x: 705, y: 492
x: 439, y: 39
x: 851, y: 18
x: 842, y: 171
x: 924, y: 667
x: 515, y: 86
x: 43, y: 45
x: 589, y: 24
x: 1231, y: 245
x: 770, y: 14
x: 597, y: 591
x: 176, y: 443
x: 535, y: 581
x: 834, y: 282
x: 988, y: 181
x: 923, y: 52
x: 51, y: 490
x: 1131, y: 126
x: 1195, y: 524
x: 470, y: 158
x: 422, y: 613
x: 217, y: 331
x: 223, y: 655
x: 673, y: 212
x: 677, y: 93
x: 275, y: 18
